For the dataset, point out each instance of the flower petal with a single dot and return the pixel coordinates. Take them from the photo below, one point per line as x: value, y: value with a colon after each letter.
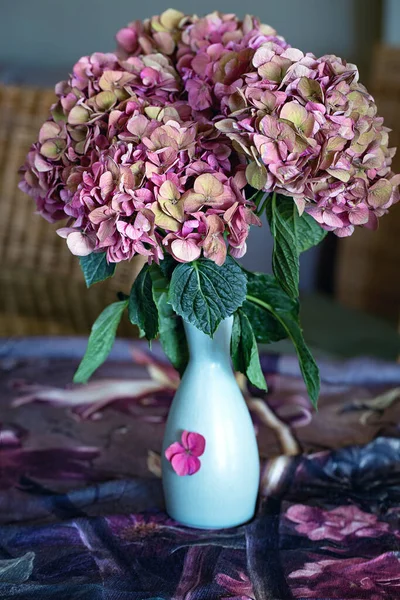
x: 184, y: 464
x: 171, y: 18
x: 185, y: 250
x: 301, y: 204
x: 48, y: 131
x: 194, y: 442
x: 317, y: 213
x: 380, y: 193
x: 295, y: 113
x: 208, y: 185
x: 163, y: 220
x: 80, y: 244
x: 372, y: 221
x: 310, y: 89
x: 64, y: 232
x: 169, y: 191
x: 106, y: 183
x: 78, y: 115
x: 100, y: 214
x: 192, y: 202
x: 331, y: 219
x: 239, y: 251
x: 262, y: 56
x: 173, y: 449
x: 344, y: 231
x: 359, y: 215
x: 165, y: 42
x: 175, y: 210
x: 138, y: 125
x: 127, y: 38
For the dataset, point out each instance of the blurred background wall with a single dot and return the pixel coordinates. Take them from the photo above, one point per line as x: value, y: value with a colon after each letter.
x: 391, y: 22
x: 46, y: 34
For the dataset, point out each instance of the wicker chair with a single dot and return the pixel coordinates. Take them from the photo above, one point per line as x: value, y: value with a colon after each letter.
x: 42, y: 290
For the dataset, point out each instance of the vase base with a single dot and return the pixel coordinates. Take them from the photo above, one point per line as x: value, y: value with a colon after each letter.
x: 232, y: 525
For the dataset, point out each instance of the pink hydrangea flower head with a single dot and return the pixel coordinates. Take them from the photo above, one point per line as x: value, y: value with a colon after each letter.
x: 215, y: 53
x: 184, y: 455
x: 312, y: 131
x: 158, y: 34
x: 147, y: 149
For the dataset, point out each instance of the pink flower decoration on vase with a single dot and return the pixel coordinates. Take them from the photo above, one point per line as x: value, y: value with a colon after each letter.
x: 184, y: 455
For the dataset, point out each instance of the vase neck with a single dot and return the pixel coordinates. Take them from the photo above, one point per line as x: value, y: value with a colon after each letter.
x: 202, y: 347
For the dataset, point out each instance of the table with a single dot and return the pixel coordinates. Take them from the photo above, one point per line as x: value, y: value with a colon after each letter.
x: 81, y: 509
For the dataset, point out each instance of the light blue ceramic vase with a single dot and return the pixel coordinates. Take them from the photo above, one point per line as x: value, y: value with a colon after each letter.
x: 223, y: 492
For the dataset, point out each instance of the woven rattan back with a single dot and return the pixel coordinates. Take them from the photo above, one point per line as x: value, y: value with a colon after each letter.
x: 41, y: 285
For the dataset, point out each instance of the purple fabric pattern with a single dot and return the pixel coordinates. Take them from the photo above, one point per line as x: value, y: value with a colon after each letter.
x: 81, y: 510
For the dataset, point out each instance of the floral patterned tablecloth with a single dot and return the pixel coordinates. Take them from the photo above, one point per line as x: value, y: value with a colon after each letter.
x: 81, y: 508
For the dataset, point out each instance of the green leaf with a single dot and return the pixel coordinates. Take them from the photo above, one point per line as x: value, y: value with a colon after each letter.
x: 308, y: 366
x: 306, y: 230
x: 244, y: 351
x: 293, y: 234
x: 100, y: 341
x: 171, y: 330
x: 265, y: 297
x: 172, y: 336
x: 285, y: 257
x: 265, y: 327
x: 96, y: 268
x: 205, y: 294
x: 160, y: 282
x: 167, y: 266
x: 142, y: 308
x: 266, y: 287
x: 309, y: 232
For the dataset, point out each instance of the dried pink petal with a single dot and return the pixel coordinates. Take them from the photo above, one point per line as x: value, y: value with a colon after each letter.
x: 184, y: 456
x: 185, y: 250
x: 80, y: 244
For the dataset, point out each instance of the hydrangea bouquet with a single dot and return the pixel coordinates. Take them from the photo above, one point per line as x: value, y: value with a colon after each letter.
x: 175, y: 145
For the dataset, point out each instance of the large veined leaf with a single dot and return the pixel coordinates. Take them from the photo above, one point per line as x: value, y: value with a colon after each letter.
x: 307, y: 231
x: 293, y: 234
x: 171, y: 330
x: 265, y: 327
x: 266, y: 287
x: 167, y: 266
x: 142, y: 308
x: 285, y: 256
x: 96, y: 268
x: 308, y: 366
x: 204, y: 294
x: 266, y: 296
x: 244, y: 351
x: 100, y: 341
